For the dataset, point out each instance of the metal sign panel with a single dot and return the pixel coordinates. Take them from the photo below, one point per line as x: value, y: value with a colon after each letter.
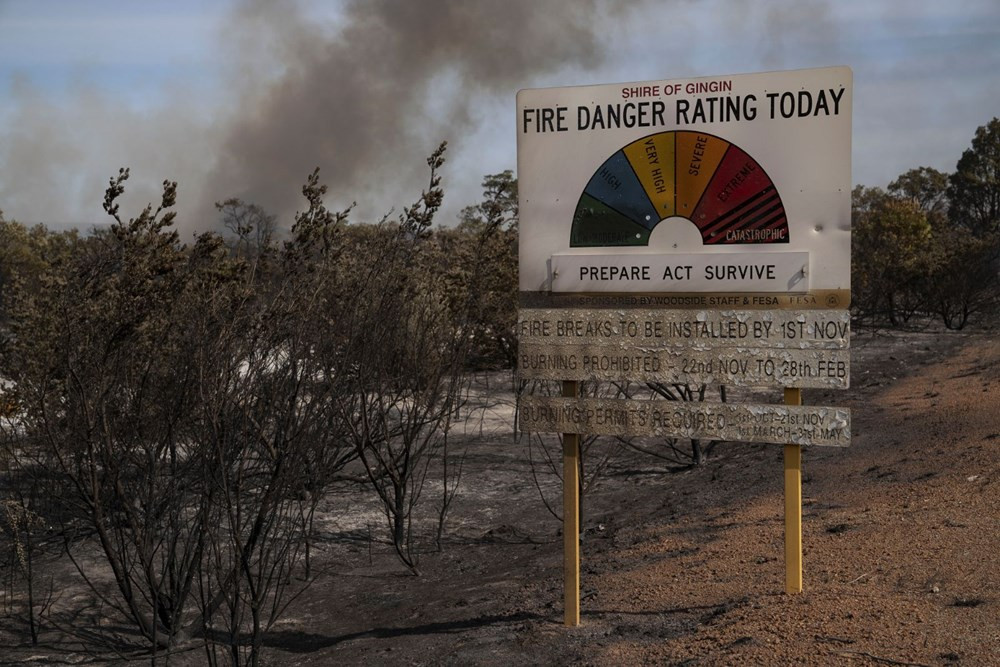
x: 778, y: 424
x: 647, y: 329
x: 723, y: 166
x: 737, y: 366
x: 751, y: 272
x: 811, y: 300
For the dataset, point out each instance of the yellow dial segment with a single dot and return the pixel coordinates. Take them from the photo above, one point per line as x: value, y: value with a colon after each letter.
x: 652, y: 158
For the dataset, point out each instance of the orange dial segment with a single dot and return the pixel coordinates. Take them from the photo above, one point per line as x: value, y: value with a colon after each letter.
x: 698, y: 156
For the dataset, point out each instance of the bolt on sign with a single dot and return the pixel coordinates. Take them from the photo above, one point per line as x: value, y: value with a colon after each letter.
x: 688, y: 231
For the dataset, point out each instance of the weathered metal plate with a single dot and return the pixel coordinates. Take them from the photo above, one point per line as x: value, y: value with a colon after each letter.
x: 812, y: 300
x: 737, y: 366
x: 778, y: 424
x: 645, y: 329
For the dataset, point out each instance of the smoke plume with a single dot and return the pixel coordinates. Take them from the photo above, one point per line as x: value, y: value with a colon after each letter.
x: 367, y: 102
x: 364, y: 93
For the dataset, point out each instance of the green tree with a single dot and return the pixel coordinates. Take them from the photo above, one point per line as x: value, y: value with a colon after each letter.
x: 964, y: 279
x: 925, y: 186
x: 26, y: 253
x: 974, y: 188
x: 967, y: 243
x: 487, y: 249
x: 890, y: 261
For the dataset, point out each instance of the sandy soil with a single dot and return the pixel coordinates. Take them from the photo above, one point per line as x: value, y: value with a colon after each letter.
x: 901, y: 534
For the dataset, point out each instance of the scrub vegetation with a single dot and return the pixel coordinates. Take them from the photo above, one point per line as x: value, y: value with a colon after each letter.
x: 176, y: 412
x: 929, y: 245
x: 173, y: 415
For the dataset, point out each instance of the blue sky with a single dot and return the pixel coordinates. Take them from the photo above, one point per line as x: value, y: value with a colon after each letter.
x: 131, y: 49
x: 217, y: 95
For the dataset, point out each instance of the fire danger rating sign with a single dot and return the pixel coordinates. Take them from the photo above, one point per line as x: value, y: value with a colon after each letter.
x: 626, y: 188
x: 691, y: 231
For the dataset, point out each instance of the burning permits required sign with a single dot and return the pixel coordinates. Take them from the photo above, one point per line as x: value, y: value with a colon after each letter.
x: 724, y: 184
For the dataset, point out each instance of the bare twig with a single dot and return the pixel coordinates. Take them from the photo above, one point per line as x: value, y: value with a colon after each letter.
x: 876, y: 658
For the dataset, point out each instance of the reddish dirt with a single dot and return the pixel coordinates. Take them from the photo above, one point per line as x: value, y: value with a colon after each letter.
x: 901, y: 533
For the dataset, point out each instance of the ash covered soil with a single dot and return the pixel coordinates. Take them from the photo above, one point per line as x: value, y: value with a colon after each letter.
x: 901, y: 535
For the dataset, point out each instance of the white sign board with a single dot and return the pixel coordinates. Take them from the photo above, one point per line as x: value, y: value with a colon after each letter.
x: 715, y: 185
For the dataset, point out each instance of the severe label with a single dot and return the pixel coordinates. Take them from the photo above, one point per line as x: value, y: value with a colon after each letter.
x: 777, y: 424
x: 748, y: 367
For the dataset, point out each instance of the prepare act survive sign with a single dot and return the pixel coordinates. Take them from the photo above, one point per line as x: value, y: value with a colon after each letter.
x: 722, y: 185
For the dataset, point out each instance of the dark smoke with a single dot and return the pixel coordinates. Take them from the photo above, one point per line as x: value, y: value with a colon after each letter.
x: 367, y: 102
x: 365, y: 91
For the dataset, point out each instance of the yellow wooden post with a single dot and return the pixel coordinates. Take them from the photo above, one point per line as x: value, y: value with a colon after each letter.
x: 793, y: 507
x: 571, y: 518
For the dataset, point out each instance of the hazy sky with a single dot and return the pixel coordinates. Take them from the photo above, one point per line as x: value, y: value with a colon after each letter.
x: 245, y: 98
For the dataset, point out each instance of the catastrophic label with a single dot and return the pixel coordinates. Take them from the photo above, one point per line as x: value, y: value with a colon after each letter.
x: 640, y: 329
x: 744, y: 367
x: 777, y: 424
x: 735, y: 272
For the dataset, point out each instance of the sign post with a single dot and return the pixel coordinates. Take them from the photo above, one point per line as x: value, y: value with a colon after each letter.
x: 793, y: 506
x: 571, y: 517
x: 687, y: 231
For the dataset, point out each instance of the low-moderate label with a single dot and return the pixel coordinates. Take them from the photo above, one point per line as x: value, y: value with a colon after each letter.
x: 729, y: 272
x: 778, y: 424
x: 747, y: 367
x: 643, y: 329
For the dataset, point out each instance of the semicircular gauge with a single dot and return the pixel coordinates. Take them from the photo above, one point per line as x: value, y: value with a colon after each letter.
x: 709, y: 181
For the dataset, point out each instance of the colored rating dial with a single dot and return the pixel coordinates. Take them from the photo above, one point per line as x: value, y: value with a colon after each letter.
x: 693, y: 175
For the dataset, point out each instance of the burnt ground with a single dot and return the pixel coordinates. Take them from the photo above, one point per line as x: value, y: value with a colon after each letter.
x: 901, y: 536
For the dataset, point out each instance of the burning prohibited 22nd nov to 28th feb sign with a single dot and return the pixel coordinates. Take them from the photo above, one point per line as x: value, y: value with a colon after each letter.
x: 712, y: 193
